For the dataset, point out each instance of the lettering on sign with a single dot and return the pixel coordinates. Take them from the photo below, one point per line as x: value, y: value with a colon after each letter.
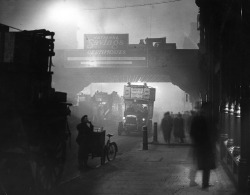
x: 106, y: 52
x: 126, y: 93
x: 114, y: 44
x: 137, y: 93
x: 146, y: 93
x: 105, y: 41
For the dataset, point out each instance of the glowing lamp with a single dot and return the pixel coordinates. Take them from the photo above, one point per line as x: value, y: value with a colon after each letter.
x: 226, y: 109
x: 63, y: 12
x: 237, y: 111
x: 231, y: 110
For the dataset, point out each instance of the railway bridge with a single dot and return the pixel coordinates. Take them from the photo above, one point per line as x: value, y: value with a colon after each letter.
x: 152, y: 60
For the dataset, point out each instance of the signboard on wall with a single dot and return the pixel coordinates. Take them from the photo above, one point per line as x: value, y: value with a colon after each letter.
x: 126, y: 92
x: 136, y: 93
x: 139, y: 92
x: 106, y: 51
x: 105, y: 41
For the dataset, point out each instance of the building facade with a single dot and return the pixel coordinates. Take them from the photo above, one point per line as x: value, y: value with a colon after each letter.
x: 224, y: 62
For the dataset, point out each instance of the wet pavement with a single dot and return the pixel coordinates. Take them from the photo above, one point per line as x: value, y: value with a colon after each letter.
x: 160, y: 170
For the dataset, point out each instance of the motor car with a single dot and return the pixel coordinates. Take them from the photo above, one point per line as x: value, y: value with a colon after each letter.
x: 131, y: 124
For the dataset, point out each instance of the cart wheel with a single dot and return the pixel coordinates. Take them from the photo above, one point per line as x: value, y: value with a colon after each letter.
x: 111, y: 151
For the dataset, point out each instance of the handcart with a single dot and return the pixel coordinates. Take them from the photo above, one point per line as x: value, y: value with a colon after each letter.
x: 100, y: 149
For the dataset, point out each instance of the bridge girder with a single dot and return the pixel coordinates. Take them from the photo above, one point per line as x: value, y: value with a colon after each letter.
x: 180, y: 67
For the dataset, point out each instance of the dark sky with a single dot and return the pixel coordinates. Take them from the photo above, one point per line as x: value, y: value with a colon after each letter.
x: 139, y: 18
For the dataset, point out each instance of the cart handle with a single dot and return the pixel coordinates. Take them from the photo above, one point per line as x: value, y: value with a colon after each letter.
x: 110, y: 135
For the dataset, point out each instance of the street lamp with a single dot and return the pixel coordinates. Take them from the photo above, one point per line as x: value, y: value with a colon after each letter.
x: 237, y: 111
x: 231, y: 109
x: 63, y: 12
x: 226, y: 109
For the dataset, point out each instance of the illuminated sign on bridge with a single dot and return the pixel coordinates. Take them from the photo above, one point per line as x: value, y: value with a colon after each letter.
x: 106, y: 42
x: 107, y: 51
x: 95, y: 62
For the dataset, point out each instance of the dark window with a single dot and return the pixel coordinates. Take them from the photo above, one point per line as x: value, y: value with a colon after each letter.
x: 131, y: 120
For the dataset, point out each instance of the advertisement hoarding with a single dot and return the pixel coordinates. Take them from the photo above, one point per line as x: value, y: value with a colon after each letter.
x: 106, y: 51
x: 105, y: 41
x: 139, y: 92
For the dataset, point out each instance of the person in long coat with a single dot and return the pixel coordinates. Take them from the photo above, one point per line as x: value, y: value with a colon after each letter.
x: 203, y: 134
x: 167, y: 126
x: 84, y: 140
x: 179, y: 132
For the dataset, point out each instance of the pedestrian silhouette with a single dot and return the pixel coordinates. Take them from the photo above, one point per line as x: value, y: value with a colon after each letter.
x: 84, y: 140
x: 166, y: 127
x: 203, y: 134
x: 179, y: 133
x: 189, y: 120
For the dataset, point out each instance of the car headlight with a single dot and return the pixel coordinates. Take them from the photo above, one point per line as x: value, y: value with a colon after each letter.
x: 143, y: 119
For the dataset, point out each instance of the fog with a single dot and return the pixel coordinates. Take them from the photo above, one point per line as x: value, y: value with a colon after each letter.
x: 169, y: 97
x: 71, y: 19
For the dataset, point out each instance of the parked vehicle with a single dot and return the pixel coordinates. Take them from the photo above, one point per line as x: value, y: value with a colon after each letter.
x: 100, y: 149
x: 103, y: 108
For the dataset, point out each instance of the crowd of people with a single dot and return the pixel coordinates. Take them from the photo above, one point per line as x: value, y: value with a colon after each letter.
x: 176, y: 126
x: 201, y: 128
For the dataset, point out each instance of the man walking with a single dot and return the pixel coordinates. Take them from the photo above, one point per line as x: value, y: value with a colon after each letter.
x: 179, y: 133
x: 203, y: 133
x: 166, y: 126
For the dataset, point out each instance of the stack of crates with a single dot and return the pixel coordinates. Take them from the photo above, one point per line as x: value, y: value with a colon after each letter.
x: 33, y: 115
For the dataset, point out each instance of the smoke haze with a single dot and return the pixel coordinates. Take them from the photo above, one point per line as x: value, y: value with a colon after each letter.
x: 169, y: 97
x: 139, y: 18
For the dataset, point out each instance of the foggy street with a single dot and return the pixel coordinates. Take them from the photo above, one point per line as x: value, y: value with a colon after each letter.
x: 125, y: 144
x: 160, y: 170
x: 124, y: 97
